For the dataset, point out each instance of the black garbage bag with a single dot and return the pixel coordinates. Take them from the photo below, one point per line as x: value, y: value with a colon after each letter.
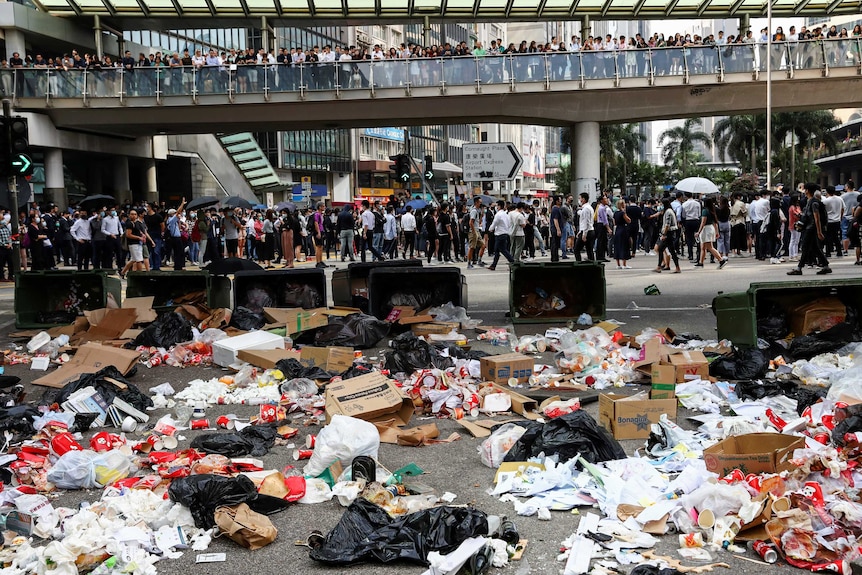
x: 741, y: 364
x: 567, y: 436
x: 246, y: 319
x: 366, y: 532
x: 833, y: 339
x: 356, y: 370
x: 851, y: 424
x: 357, y: 330
x: 253, y: 440
x: 257, y: 297
x: 653, y: 570
x: 293, y: 369
x: 167, y: 331
x: 18, y: 419
x: 301, y: 295
x: 772, y: 322
x: 410, y: 353
x: 758, y: 390
x: 58, y: 317
x: 104, y: 382
x: 806, y: 397
x: 203, y: 494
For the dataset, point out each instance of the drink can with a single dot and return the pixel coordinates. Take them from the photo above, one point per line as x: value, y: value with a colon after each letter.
x: 301, y: 454
x: 842, y: 567
x: 225, y: 422
x: 310, y: 441
x: 765, y: 550
x: 200, y: 424
x: 64, y: 443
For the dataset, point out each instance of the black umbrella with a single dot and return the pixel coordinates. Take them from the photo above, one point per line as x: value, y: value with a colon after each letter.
x: 289, y: 206
x: 237, y: 202
x: 99, y: 200
x: 202, y: 202
x: 223, y: 267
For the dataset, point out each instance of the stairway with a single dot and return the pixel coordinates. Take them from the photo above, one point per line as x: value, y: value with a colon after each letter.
x: 251, y: 162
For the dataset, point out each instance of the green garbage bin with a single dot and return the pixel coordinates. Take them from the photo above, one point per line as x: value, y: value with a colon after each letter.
x: 45, y: 299
x: 737, y: 313
x: 556, y: 292
x: 167, y: 286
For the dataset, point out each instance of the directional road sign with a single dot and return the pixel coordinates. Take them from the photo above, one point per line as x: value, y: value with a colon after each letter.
x: 21, y: 165
x: 491, y: 162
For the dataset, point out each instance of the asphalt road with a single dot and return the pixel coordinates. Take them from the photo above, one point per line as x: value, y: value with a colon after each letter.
x: 455, y: 467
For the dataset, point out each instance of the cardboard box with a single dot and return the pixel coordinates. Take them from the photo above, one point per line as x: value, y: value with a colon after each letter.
x: 438, y: 327
x: 818, y: 315
x: 500, y: 368
x: 521, y: 404
x: 332, y: 359
x: 143, y: 307
x: 680, y: 367
x: 296, y: 320
x: 630, y: 417
x: 266, y: 358
x: 663, y: 390
x: 650, y: 352
x: 753, y: 453
x: 372, y: 397
x: 225, y: 350
x: 90, y: 358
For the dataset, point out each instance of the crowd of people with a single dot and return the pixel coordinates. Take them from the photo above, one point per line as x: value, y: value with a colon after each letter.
x: 323, y: 68
x: 806, y: 226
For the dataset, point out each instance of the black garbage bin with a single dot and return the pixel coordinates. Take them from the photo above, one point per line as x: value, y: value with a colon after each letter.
x: 552, y: 292
x: 350, y: 285
x: 255, y: 290
x: 166, y: 286
x: 414, y: 286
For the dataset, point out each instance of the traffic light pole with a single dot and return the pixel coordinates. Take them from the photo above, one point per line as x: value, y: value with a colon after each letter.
x: 12, y: 184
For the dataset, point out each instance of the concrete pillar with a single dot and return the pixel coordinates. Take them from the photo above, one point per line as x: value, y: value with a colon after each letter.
x: 586, y: 28
x: 14, y: 42
x: 744, y: 24
x: 426, y: 30
x: 151, y: 186
x: 586, y: 158
x: 97, y: 30
x: 264, y: 34
x: 122, y: 188
x: 55, y: 186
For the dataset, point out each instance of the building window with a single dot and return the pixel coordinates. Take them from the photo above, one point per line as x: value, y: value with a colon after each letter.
x: 365, y: 146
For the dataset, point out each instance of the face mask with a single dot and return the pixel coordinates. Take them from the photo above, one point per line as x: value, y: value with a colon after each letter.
x: 37, y: 220
x: 102, y: 214
x: 7, y: 218
x: 113, y: 213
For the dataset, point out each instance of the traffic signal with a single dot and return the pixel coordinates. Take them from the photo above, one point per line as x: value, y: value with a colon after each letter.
x: 15, y: 155
x: 401, y: 167
x: 429, y: 168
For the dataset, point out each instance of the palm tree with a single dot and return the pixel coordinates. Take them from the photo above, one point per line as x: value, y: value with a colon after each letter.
x: 678, y: 144
x: 802, y: 127
x: 619, y: 144
x: 740, y: 138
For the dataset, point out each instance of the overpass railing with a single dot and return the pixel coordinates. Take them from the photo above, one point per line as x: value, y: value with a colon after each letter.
x: 546, y: 68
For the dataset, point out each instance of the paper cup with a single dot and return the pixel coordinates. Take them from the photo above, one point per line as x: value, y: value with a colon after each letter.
x: 129, y: 424
x: 226, y: 421
x: 706, y: 519
x: 310, y: 441
x: 781, y: 504
x: 169, y: 442
x: 155, y: 442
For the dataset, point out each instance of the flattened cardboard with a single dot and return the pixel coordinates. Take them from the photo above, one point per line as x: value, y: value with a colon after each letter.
x: 500, y: 368
x: 333, y: 359
x: 436, y: 327
x: 266, y: 358
x: 90, y: 358
x: 143, y: 306
x: 111, y: 325
x: 372, y: 397
x: 753, y: 453
x: 474, y: 429
x: 631, y: 417
x: 297, y: 320
x: 650, y: 352
x: 521, y: 404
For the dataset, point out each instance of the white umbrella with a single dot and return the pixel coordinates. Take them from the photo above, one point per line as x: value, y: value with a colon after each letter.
x: 697, y: 186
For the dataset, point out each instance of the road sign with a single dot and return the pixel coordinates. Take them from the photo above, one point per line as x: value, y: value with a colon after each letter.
x: 306, y: 185
x: 491, y: 162
x: 21, y: 164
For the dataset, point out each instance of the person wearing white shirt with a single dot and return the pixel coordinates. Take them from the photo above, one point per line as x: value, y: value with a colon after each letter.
x: 586, y: 235
x: 112, y: 230
x: 390, y: 233
x: 501, y: 227
x: 346, y: 68
x: 519, y: 220
x: 758, y: 210
x: 690, y: 223
x: 408, y: 226
x: 82, y: 235
x: 834, y: 214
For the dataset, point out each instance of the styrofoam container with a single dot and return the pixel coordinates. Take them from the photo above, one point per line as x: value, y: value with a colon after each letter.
x: 225, y: 350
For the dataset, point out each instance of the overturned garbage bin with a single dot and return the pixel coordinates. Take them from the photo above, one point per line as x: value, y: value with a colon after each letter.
x: 775, y: 310
x: 350, y: 286
x: 417, y: 287
x: 166, y: 287
x: 255, y: 290
x: 49, y: 298
x: 551, y: 292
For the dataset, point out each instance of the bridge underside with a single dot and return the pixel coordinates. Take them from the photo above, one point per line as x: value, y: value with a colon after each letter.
x: 567, y: 103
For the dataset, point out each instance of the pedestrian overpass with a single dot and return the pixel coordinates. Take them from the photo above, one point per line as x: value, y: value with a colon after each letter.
x: 555, y: 88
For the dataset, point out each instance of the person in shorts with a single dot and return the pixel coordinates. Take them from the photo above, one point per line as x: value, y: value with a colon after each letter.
x: 474, y: 235
x: 136, y: 236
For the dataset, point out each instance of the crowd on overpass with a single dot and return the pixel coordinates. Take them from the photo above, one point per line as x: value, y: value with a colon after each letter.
x: 347, y: 67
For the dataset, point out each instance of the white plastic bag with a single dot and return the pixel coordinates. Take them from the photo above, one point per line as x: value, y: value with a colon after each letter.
x: 494, y: 449
x: 74, y: 470
x: 342, y: 440
x: 316, y: 491
x: 112, y: 466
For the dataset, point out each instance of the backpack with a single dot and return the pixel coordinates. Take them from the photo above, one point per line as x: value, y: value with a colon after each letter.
x: 309, y: 225
x: 465, y: 224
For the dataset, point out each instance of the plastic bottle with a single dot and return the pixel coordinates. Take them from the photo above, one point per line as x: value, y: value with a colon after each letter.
x: 288, y: 342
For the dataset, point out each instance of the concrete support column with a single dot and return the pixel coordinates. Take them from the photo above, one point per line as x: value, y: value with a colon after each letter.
x: 122, y: 188
x: 14, y: 42
x: 744, y: 24
x: 151, y: 186
x: 55, y: 186
x: 586, y: 158
x: 97, y: 31
x: 586, y: 28
x: 264, y: 34
x: 426, y: 30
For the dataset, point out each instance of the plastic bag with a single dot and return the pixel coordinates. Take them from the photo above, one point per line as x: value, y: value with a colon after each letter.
x: 104, y: 382
x: 111, y: 466
x: 454, y: 313
x: 359, y: 331
x: 299, y: 387
x: 316, y: 491
x: 247, y: 319
x: 167, y: 331
x: 743, y: 364
x: 410, y: 353
x: 301, y: 295
x: 258, y: 297
x: 211, y: 335
x: 493, y: 450
x: 293, y: 369
x: 343, y: 439
x: 254, y: 440
x: 567, y: 436
x: 74, y: 470
x: 202, y: 494
x: 653, y: 570
x: 367, y: 533
x: 758, y: 390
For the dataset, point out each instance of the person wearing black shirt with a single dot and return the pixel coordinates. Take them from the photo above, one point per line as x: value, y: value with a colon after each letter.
x: 344, y: 227
x: 813, y: 224
x: 444, y: 232
x: 156, y: 228
x: 556, y: 229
